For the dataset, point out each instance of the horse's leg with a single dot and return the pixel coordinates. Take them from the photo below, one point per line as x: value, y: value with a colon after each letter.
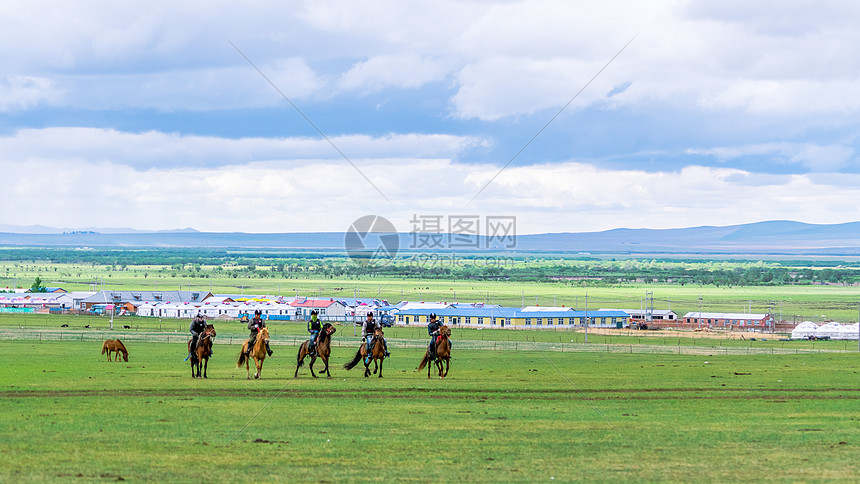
x: 205, y: 366
x: 381, y: 360
x: 311, y: 366
x: 259, y: 364
x: 248, y: 367
x: 300, y: 359
x: 325, y: 360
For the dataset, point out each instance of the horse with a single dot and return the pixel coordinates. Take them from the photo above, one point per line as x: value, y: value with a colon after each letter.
x: 323, y: 350
x: 377, y: 352
x: 202, y: 352
x: 111, y: 345
x: 443, y: 353
x: 258, y: 353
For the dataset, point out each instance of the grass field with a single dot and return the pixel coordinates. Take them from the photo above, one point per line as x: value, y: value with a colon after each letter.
x: 793, y: 302
x: 67, y: 414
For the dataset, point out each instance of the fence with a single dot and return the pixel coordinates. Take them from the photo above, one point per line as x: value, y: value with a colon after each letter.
x: 402, y: 343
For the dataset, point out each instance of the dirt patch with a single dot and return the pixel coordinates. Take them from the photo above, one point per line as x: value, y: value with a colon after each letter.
x: 675, y: 333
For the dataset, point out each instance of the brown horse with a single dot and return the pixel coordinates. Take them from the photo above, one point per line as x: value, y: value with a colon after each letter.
x: 258, y: 353
x: 443, y: 353
x: 377, y: 353
x: 202, y: 352
x: 111, y: 345
x: 323, y: 350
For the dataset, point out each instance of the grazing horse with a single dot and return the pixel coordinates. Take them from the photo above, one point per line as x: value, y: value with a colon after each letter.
x: 377, y: 352
x: 323, y: 350
x: 443, y: 353
x: 111, y: 345
x: 202, y: 352
x: 258, y: 353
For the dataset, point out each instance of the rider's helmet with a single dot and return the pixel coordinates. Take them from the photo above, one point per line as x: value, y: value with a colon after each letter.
x: 432, y: 315
x: 313, y: 312
x: 258, y: 313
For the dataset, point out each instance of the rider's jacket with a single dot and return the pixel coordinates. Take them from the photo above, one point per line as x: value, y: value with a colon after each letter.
x: 433, y: 326
x: 314, y: 325
x: 368, y: 328
x: 256, y: 324
x: 198, y: 325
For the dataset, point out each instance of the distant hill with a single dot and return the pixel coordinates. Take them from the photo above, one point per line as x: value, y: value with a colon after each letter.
x: 773, y: 237
x: 41, y: 229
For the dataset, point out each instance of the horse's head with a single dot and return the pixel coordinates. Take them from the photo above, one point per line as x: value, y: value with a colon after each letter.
x: 210, y: 328
x: 264, y: 334
x: 125, y: 355
x: 329, y: 329
x: 445, y: 330
x: 378, y: 332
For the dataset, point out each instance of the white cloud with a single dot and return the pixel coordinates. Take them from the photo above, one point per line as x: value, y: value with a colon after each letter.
x: 509, y: 58
x: 405, y: 72
x: 275, y: 192
x: 157, y: 149
x: 25, y: 92
x: 822, y: 158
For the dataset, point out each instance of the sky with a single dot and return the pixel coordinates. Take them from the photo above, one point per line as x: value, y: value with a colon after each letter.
x: 294, y: 116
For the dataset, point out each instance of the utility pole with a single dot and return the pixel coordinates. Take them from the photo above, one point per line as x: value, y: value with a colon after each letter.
x: 586, y: 317
x: 649, y: 308
x: 700, y: 312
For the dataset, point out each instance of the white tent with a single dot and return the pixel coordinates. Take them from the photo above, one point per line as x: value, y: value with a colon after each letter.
x: 829, y: 330
x: 849, y: 331
x: 804, y: 330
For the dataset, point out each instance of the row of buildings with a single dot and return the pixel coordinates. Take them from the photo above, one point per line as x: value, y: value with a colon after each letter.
x: 186, y: 304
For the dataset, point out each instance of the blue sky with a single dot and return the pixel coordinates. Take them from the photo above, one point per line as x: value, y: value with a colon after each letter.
x: 144, y: 116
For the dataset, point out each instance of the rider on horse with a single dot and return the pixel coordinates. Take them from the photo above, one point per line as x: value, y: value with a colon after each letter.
x: 433, y: 330
x: 314, y: 328
x: 368, y: 329
x: 198, y: 327
x: 255, y: 325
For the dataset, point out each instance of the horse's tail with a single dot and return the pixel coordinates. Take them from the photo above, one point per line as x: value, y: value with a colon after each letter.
x: 354, y: 361
x: 241, y: 360
x: 104, y: 347
x: 299, y: 360
x: 424, y: 361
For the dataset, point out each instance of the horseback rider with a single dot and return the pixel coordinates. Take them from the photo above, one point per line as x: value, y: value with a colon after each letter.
x: 433, y: 328
x: 314, y: 328
x: 198, y: 327
x: 368, y: 329
x: 255, y: 325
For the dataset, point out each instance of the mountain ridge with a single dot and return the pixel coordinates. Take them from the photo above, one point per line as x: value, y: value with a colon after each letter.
x: 779, y: 236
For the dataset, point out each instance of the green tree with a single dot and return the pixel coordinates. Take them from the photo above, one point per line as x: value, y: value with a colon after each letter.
x: 37, y: 286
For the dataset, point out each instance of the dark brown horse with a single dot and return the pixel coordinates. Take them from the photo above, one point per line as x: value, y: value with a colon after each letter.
x: 110, y: 345
x: 323, y: 350
x: 377, y: 353
x: 443, y: 353
x: 258, y: 353
x: 202, y: 352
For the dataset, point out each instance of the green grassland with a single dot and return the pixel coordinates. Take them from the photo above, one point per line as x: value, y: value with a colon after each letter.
x: 793, y: 302
x: 524, y: 416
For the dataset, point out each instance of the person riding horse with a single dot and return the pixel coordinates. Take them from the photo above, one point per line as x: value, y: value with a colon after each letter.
x: 433, y: 330
x: 367, y: 331
x: 314, y: 328
x: 198, y: 327
x: 255, y: 325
